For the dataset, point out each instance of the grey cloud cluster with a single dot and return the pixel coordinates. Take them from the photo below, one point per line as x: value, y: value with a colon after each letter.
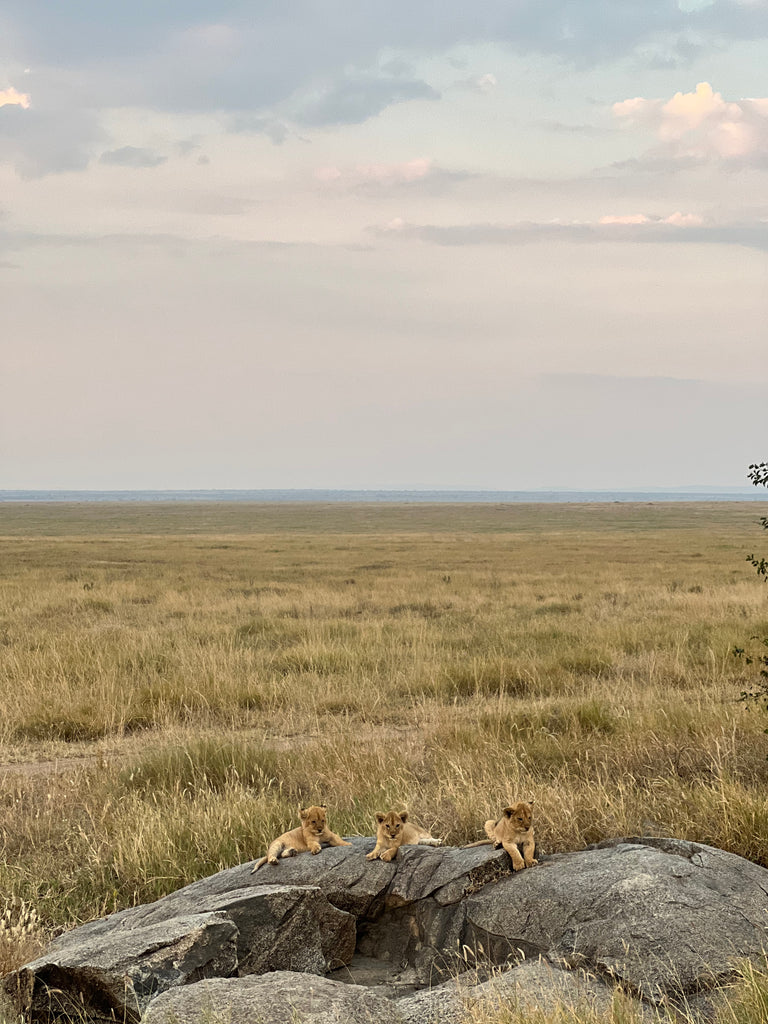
x: 132, y: 156
x: 419, y: 176
x: 270, y: 64
x: 39, y: 142
x: 235, y: 55
x: 82, y: 30
x: 354, y: 99
x: 275, y: 130
x: 736, y: 19
x: 676, y: 229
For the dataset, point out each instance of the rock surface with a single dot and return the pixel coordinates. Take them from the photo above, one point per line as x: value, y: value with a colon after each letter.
x: 533, y: 985
x: 279, y: 998
x: 116, y: 965
x: 666, y: 919
x: 660, y: 916
x: 101, y: 981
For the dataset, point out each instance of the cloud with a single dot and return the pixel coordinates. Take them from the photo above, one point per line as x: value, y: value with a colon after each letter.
x: 677, y: 219
x: 378, y: 173
x: 735, y: 19
x: 675, y: 228
x: 275, y: 130
x: 14, y: 241
x: 353, y: 100
x: 632, y: 218
x: 10, y: 97
x: 482, y: 84
x: 700, y: 126
x: 563, y: 128
x: 594, y: 28
x: 420, y: 175
x: 132, y: 156
x: 684, y: 220
x: 482, y: 234
x: 41, y: 141
x: 672, y: 52
x: 275, y: 69
x: 201, y: 55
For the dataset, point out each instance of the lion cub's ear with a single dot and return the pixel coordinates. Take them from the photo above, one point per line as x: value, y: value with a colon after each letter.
x: 324, y: 806
x: 404, y: 815
x: 531, y: 802
x: 379, y: 817
x: 303, y: 812
x: 508, y: 812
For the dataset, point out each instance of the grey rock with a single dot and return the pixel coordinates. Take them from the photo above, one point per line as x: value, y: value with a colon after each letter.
x: 279, y: 998
x: 119, y: 963
x: 666, y: 920
x: 423, y: 937
x: 347, y: 879
x: 118, y: 979
x: 447, y: 873
x: 352, y: 883
x: 268, y: 918
x: 533, y: 985
x: 286, y: 928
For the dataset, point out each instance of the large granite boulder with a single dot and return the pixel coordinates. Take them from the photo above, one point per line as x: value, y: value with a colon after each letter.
x: 279, y: 998
x: 667, y: 920
x: 82, y: 976
x: 115, y: 966
x: 300, y: 999
x: 659, y: 916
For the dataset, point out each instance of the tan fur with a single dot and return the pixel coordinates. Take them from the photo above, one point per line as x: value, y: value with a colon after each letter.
x: 513, y: 831
x: 306, y: 838
x: 395, y: 830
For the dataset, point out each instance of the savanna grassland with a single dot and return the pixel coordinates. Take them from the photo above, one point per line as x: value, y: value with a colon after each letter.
x: 176, y: 679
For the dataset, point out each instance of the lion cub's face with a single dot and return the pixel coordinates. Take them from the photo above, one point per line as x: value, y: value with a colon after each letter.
x: 313, y: 819
x: 519, y: 816
x: 391, y: 824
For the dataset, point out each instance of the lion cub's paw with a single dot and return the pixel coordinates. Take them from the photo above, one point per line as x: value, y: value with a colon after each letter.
x: 373, y: 855
x: 389, y: 855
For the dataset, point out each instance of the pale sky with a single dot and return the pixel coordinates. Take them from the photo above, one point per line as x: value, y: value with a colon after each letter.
x: 336, y: 243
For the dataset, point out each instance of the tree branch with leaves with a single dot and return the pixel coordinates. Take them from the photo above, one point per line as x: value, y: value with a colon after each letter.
x: 757, y: 652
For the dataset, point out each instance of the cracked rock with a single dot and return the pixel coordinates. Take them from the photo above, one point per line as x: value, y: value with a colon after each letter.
x: 667, y: 921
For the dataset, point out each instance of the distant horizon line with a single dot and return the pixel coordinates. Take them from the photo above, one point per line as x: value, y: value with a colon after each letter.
x: 681, y: 488
x: 384, y: 494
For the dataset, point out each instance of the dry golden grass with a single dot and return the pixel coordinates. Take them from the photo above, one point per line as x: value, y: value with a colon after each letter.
x: 222, y: 664
x: 21, y: 937
x: 624, y: 1010
x: 746, y: 1002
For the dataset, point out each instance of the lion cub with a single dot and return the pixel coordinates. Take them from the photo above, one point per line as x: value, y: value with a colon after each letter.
x: 312, y: 831
x: 394, y: 830
x: 514, y: 829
